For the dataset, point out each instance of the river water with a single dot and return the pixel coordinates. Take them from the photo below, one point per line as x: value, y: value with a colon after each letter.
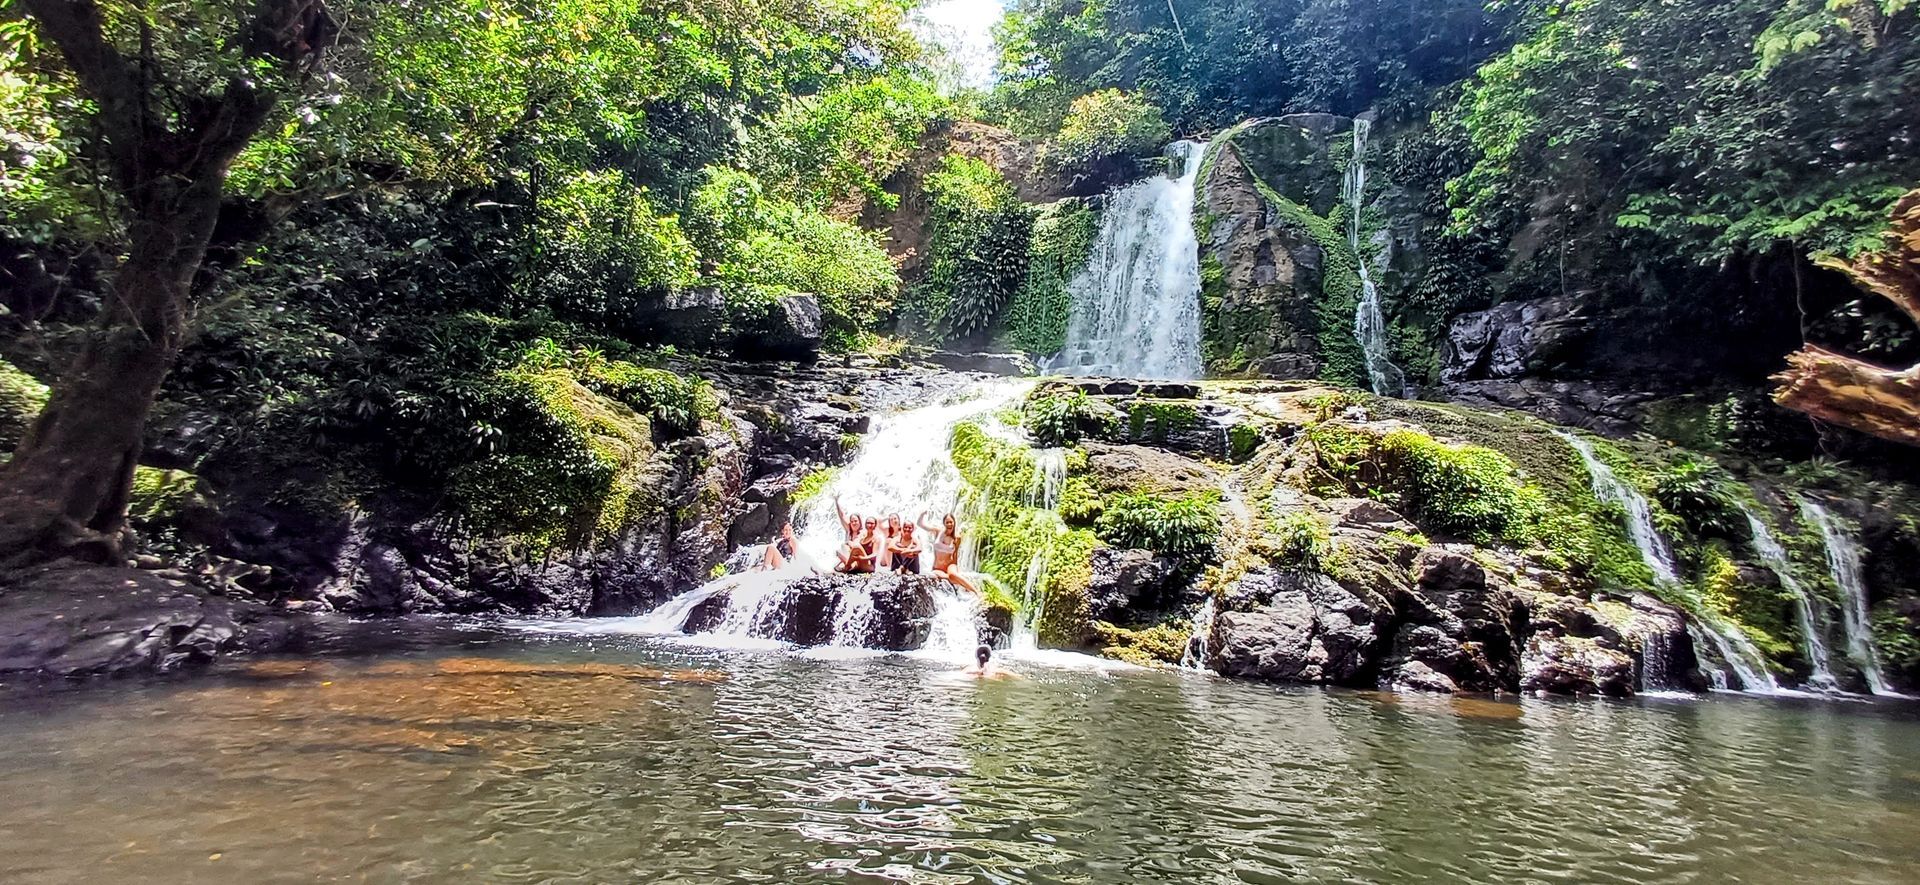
x: 507, y: 757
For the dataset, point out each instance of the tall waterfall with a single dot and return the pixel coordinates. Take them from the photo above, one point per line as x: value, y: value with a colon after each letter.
x: 1739, y: 653
x: 1843, y: 561
x: 1369, y: 321
x: 1136, y: 305
x: 1775, y: 557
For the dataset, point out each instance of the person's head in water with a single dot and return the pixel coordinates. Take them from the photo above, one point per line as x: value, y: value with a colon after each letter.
x: 983, y: 654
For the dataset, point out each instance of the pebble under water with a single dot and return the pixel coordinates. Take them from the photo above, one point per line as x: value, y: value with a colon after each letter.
x: 510, y: 758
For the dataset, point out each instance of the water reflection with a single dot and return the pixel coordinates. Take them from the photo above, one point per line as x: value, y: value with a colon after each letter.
x: 564, y: 760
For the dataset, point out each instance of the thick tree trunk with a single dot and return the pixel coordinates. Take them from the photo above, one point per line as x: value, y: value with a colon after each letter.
x: 1852, y: 392
x: 65, y: 491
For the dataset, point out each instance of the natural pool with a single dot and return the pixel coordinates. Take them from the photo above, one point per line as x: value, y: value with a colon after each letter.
x: 504, y: 757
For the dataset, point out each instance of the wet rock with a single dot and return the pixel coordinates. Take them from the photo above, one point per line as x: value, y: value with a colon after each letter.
x: 903, y: 608
x: 72, y: 621
x: 1574, y: 665
x: 792, y: 329
x: 1015, y: 365
x: 1515, y: 339
x: 1571, y: 403
x: 1270, y: 271
x: 1455, y: 623
x: 1293, y: 627
x: 1125, y: 582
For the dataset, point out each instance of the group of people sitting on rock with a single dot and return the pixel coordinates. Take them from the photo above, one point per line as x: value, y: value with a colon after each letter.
x: 876, y: 545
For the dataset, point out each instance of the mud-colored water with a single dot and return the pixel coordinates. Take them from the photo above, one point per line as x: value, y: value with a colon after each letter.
x: 615, y: 759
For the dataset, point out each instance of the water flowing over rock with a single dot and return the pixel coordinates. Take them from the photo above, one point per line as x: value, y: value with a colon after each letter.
x: 1735, y: 650
x: 890, y: 612
x: 1843, y: 561
x: 1811, y: 644
x: 1369, y: 319
x: 1136, y: 306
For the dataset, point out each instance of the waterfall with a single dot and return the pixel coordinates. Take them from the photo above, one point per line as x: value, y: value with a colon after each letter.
x: 1049, y: 479
x: 1136, y: 305
x: 1843, y: 561
x: 1608, y: 487
x: 1734, y: 648
x: 1775, y: 558
x: 1197, y: 641
x: 1369, y: 321
x: 903, y: 467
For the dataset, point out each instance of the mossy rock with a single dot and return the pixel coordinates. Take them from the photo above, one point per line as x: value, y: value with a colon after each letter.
x: 1155, y: 646
x: 21, y: 399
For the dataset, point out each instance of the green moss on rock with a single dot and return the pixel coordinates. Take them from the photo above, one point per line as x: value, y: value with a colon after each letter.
x: 21, y: 399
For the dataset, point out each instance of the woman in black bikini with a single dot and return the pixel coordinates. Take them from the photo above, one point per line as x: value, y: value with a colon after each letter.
x: 905, y: 552
x: 781, y: 551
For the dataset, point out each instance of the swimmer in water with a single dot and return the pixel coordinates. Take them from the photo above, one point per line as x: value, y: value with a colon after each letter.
x: 985, y: 668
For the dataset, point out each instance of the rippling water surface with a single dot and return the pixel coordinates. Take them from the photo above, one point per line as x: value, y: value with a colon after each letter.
x: 571, y: 759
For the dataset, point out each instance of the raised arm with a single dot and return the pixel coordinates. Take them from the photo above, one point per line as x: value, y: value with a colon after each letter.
x: 839, y: 511
x: 925, y: 525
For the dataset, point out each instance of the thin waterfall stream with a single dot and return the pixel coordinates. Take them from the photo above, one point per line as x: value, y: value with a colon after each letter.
x: 1749, y: 666
x: 1843, y: 562
x: 1812, y: 644
x: 1136, y: 305
x: 1369, y: 318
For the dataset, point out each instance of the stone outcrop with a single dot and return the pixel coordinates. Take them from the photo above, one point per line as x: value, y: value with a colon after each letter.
x: 1125, y: 582
x: 792, y: 329
x: 891, y: 612
x: 83, y: 621
x: 1294, y: 626
x: 1269, y: 273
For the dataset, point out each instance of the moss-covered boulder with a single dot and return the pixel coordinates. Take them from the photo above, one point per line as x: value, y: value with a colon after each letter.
x: 21, y: 399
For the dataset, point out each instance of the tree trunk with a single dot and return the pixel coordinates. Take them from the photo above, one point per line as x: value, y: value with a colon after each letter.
x: 1853, y: 392
x: 65, y: 491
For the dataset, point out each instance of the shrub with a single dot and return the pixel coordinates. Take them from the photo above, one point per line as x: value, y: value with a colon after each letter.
x: 1695, y: 493
x: 1156, y: 420
x: 1108, y: 123
x: 1062, y: 241
x: 21, y: 399
x: 979, y: 234
x: 1468, y: 491
x: 1061, y: 416
x: 1180, y: 527
x: 812, y: 486
x: 1302, y: 541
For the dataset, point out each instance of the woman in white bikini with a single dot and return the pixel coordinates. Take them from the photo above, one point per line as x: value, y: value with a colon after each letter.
x: 946, y: 551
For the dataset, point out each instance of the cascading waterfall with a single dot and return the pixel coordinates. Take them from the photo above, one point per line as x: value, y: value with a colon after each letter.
x: 1369, y: 320
x: 1136, y: 305
x: 1237, y: 533
x: 902, y: 467
x: 1049, y: 479
x: 1843, y: 561
x: 1775, y: 558
x: 1734, y: 648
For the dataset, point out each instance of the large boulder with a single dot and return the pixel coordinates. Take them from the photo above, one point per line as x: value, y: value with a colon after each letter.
x: 1293, y: 626
x: 1125, y: 583
x: 1518, y: 338
x: 1574, y: 665
x: 791, y: 329
x: 1455, y: 623
x: 1131, y: 468
x: 893, y: 612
